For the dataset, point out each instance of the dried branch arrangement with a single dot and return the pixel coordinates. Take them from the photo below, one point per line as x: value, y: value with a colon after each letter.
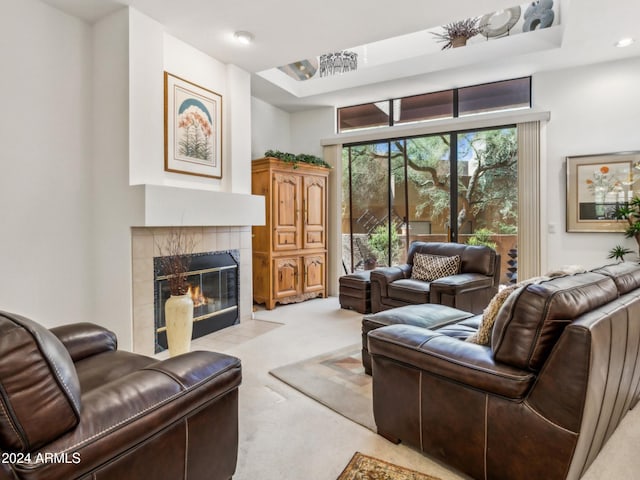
x: 461, y: 29
x: 175, y: 259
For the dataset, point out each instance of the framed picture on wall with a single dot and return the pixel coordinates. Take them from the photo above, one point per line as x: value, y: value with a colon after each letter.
x: 597, y: 185
x: 192, y: 128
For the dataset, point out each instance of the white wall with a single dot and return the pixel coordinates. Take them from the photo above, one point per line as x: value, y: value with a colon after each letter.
x: 114, y: 203
x: 270, y: 129
x: 308, y: 127
x: 45, y: 131
x: 594, y: 109
x: 299, y: 132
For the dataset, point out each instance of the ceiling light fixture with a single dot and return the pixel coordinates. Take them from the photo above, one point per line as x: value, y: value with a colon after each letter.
x: 624, y: 42
x: 301, y: 70
x: 244, y: 37
x: 338, y: 62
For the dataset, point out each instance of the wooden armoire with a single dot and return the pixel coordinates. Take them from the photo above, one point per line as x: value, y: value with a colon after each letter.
x: 290, y: 250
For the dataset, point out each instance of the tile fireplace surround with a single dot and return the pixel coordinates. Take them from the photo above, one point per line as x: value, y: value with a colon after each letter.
x: 144, y: 246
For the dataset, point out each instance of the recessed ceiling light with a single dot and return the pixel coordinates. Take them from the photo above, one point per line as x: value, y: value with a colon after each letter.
x: 244, y: 37
x: 625, y: 42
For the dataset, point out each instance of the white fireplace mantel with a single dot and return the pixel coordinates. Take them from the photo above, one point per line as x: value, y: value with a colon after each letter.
x: 165, y: 206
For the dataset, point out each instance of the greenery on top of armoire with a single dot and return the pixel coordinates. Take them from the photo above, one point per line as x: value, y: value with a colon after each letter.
x: 295, y: 159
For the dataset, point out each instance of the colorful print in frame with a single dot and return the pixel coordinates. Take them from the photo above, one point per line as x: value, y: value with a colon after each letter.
x: 192, y: 128
x: 597, y: 185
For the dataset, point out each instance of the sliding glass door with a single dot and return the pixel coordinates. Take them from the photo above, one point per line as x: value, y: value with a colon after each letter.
x: 457, y: 186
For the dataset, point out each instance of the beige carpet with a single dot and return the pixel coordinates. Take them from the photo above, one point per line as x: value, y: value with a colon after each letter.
x: 363, y: 467
x: 335, y: 379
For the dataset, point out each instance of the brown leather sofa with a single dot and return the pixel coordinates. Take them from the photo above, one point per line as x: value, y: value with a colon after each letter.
x: 469, y: 290
x: 540, y: 401
x: 72, y: 406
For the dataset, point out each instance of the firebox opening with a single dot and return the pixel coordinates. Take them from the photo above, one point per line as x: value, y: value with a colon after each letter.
x: 213, y: 285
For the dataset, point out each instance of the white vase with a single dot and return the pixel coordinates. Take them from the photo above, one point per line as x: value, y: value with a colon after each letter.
x: 178, y: 314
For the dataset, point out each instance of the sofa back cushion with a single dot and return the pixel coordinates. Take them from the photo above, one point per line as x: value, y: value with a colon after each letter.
x: 39, y: 387
x: 626, y: 275
x: 474, y: 258
x: 532, y: 318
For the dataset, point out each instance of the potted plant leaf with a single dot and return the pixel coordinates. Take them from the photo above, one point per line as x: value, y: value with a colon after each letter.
x: 630, y: 213
x: 618, y: 252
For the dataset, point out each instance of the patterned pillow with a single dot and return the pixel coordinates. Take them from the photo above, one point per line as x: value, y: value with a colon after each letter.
x: 431, y: 267
x: 483, y: 335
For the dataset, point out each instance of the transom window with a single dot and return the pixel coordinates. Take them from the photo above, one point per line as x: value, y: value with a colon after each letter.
x: 458, y: 102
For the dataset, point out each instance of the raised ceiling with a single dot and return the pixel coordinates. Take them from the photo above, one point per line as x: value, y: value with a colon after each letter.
x: 287, y: 31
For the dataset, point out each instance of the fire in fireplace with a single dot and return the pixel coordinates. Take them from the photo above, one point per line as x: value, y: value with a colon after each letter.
x: 213, y: 285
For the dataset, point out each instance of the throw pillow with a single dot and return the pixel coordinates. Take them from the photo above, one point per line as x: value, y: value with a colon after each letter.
x: 483, y: 335
x: 431, y: 267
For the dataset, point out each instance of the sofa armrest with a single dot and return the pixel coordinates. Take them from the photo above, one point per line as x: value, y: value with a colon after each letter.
x: 383, y: 276
x: 124, y: 414
x: 451, y: 358
x: 85, y: 339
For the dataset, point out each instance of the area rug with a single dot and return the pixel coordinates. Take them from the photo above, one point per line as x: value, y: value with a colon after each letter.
x: 335, y: 379
x: 363, y: 467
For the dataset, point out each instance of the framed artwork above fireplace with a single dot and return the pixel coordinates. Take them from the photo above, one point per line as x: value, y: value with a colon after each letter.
x: 192, y: 128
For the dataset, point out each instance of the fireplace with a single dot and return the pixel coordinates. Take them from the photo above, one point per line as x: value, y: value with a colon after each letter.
x: 213, y: 280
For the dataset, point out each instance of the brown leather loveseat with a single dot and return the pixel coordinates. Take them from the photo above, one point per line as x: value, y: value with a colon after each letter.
x: 470, y: 289
x: 561, y: 371
x: 72, y: 406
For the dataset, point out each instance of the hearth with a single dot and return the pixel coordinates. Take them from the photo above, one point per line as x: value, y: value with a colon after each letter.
x: 214, y: 285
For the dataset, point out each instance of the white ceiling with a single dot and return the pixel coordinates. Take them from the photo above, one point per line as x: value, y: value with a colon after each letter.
x: 290, y: 30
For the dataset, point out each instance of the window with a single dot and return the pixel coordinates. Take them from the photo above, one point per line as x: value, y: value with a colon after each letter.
x: 363, y: 116
x: 451, y: 186
x: 425, y: 107
x: 472, y: 100
x: 492, y: 97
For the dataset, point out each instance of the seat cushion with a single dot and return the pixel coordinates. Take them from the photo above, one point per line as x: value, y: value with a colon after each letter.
x: 356, y: 281
x: 97, y: 370
x: 39, y: 387
x: 409, y: 290
x: 463, y: 329
x: 429, y: 315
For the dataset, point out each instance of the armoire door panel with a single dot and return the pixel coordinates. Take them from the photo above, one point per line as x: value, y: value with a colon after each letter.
x: 314, y: 273
x: 314, y: 219
x: 286, y: 277
x: 314, y: 238
x: 286, y: 212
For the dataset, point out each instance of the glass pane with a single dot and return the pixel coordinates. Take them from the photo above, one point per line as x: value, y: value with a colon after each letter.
x: 363, y: 116
x: 424, y: 107
x: 347, y: 258
x: 395, y: 233
x: 488, y: 194
x: 368, y: 222
x: 428, y: 187
x: 491, y: 97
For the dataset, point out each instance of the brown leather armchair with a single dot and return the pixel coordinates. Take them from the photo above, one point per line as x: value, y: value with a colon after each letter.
x: 72, y: 406
x: 470, y: 290
x: 562, y: 370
